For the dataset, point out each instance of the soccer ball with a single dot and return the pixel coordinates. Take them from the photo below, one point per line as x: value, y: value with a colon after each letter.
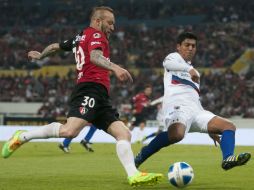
x: 180, y: 174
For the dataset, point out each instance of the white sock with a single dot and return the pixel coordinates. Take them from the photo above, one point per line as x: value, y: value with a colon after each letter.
x: 44, y: 132
x: 125, y: 155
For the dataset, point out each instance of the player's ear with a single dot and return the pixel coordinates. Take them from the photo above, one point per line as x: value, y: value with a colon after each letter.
x: 178, y: 47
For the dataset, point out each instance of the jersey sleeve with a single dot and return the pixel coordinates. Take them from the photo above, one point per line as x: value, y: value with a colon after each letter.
x: 66, y: 45
x: 173, y: 62
x: 96, y: 41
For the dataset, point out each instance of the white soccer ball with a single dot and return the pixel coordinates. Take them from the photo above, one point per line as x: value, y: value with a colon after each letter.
x: 180, y: 174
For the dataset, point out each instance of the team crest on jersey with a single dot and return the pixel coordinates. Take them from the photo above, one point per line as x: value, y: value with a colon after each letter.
x: 83, y: 110
x: 96, y: 35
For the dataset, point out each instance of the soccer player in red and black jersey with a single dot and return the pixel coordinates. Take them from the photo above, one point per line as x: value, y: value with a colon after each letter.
x: 89, y: 101
x: 140, y: 102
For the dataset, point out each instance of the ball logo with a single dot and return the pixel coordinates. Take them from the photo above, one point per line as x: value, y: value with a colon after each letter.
x: 83, y: 110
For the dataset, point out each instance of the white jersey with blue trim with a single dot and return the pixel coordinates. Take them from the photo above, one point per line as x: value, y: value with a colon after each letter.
x: 178, y: 86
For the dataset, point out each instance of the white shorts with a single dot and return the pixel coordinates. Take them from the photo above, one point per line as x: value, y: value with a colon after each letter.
x: 193, y: 116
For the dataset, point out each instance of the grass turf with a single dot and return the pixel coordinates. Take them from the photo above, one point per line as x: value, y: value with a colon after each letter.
x: 42, y: 166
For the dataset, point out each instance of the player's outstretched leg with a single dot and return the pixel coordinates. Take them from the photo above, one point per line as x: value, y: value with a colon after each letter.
x: 235, y: 160
x: 124, y: 152
x: 12, y: 144
x: 20, y: 137
x: 160, y: 141
x: 135, y: 177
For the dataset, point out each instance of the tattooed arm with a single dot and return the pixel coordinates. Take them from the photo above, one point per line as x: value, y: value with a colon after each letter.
x: 96, y: 57
x: 49, y: 50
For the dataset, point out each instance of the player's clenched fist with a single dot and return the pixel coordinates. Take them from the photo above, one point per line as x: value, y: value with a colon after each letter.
x: 34, y: 55
x: 122, y: 74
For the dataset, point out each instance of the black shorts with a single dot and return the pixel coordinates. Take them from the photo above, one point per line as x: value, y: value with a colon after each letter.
x: 90, y: 101
x: 140, y: 118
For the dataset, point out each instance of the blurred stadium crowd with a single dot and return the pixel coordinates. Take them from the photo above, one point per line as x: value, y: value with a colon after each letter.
x: 227, y: 94
x: 224, y: 28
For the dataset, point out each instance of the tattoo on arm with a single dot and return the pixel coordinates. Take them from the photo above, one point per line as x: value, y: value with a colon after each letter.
x: 49, y: 50
x: 98, y: 59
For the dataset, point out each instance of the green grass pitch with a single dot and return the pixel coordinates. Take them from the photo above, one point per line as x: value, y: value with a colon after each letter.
x: 42, y: 166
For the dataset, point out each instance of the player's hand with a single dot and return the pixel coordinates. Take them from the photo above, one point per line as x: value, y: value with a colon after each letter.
x: 147, y: 104
x: 195, y: 77
x: 122, y: 74
x: 34, y: 55
x: 216, y: 138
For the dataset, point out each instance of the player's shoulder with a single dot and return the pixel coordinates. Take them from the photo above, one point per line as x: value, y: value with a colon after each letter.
x: 137, y: 95
x: 94, y: 34
x: 174, y: 55
x: 141, y: 95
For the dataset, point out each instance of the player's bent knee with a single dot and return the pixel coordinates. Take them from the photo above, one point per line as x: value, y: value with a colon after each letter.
x: 219, y: 124
x: 176, y: 138
x: 176, y: 132
x: 128, y: 136
x: 119, y: 131
x: 229, y: 126
x: 124, y: 135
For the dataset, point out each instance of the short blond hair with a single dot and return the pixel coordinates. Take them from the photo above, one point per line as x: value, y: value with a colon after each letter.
x: 100, y: 9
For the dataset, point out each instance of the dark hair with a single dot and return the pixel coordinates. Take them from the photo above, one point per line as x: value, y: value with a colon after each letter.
x: 102, y: 8
x: 148, y: 86
x: 186, y: 35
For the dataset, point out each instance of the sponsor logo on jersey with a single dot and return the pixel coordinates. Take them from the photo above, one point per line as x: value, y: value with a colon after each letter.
x: 83, y: 110
x: 94, y: 43
x: 185, y: 75
x: 96, y: 35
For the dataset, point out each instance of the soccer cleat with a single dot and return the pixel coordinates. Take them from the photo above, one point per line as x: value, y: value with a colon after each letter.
x: 141, y: 178
x: 87, y: 145
x: 63, y: 148
x: 235, y: 160
x: 12, y: 144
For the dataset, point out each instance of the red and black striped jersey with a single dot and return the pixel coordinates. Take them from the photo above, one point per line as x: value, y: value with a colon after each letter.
x: 88, y: 40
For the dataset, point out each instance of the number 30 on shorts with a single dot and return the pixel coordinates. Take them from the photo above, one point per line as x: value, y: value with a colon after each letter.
x: 88, y: 101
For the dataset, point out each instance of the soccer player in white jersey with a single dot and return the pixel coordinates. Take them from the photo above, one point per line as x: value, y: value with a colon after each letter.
x: 183, y: 111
